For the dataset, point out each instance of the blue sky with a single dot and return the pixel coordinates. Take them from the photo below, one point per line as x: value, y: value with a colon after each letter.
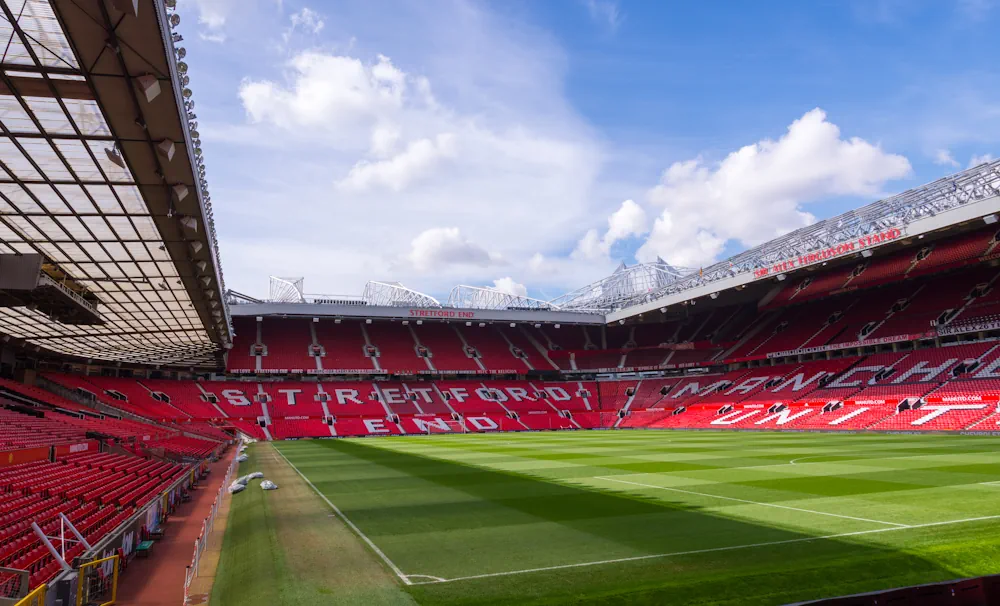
x: 534, y: 145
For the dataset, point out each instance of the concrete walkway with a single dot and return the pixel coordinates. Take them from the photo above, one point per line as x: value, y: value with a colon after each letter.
x: 159, y: 579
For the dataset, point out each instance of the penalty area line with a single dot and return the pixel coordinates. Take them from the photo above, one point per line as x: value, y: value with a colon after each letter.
x: 395, y: 569
x: 775, y: 505
x: 699, y: 551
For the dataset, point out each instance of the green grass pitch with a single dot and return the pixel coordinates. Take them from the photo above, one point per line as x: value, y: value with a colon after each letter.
x: 637, y: 517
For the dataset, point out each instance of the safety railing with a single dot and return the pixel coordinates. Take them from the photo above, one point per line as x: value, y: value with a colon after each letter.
x: 97, y: 582
x: 206, y: 530
x: 35, y: 598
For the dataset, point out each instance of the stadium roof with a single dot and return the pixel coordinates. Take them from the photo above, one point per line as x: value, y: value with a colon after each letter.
x: 633, y: 290
x: 101, y: 172
x: 968, y: 195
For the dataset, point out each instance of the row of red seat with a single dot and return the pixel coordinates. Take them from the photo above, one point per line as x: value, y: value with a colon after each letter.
x: 250, y: 400
x: 876, y: 415
x: 95, y: 491
x: 842, y: 305
x: 963, y: 368
x: 185, y: 446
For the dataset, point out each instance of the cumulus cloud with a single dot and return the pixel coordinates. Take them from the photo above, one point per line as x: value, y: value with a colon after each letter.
x: 397, y: 172
x: 329, y: 93
x: 977, y: 160
x: 629, y: 220
x: 464, y: 126
x: 509, y: 286
x: 442, y: 246
x: 943, y: 157
x: 756, y: 193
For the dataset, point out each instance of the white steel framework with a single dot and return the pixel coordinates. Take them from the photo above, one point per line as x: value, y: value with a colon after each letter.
x: 286, y: 290
x: 646, y: 282
x: 394, y: 294
x: 479, y: 297
x: 977, y: 183
x: 625, y: 284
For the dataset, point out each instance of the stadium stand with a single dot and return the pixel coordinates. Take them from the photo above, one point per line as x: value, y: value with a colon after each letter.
x: 288, y: 343
x: 344, y: 345
x: 397, y: 348
x: 446, y: 347
x: 95, y: 491
x: 495, y: 352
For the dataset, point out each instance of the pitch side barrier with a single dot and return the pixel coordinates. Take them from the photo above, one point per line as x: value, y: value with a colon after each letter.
x: 960, y: 592
x: 201, y: 543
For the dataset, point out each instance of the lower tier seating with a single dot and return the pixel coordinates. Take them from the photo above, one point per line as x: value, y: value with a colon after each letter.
x: 95, y: 491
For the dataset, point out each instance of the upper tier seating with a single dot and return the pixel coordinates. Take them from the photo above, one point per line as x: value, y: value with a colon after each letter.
x: 590, y: 359
x: 241, y: 358
x: 287, y: 342
x: 344, y: 345
x: 648, y: 357
x: 495, y: 352
x: 528, y: 345
x: 446, y: 348
x: 397, y: 349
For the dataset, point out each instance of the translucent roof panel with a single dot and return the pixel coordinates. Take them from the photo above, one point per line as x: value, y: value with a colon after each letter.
x: 64, y: 196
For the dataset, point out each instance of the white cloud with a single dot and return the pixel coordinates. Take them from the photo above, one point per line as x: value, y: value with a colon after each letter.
x: 606, y: 13
x: 466, y: 126
x: 509, y: 286
x: 589, y: 246
x: 399, y: 171
x: 977, y: 160
x: 385, y: 137
x: 216, y: 38
x: 629, y: 220
x: 329, y: 93
x: 563, y: 274
x: 212, y: 16
x: 308, y: 20
x: 442, y: 246
x: 756, y: 193
x: 943, y: 157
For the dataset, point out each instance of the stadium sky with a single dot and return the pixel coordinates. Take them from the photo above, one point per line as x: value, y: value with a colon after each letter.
x: 536, y: 144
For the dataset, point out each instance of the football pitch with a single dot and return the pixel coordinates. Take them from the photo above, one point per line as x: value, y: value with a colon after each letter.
x: 653, y: 517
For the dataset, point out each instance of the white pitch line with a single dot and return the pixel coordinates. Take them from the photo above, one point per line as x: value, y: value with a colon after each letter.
x: 395, y: 569
x: 428, y: 576
x: 710, y: 550
x: 792, y: 462
x: 775, y: 505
